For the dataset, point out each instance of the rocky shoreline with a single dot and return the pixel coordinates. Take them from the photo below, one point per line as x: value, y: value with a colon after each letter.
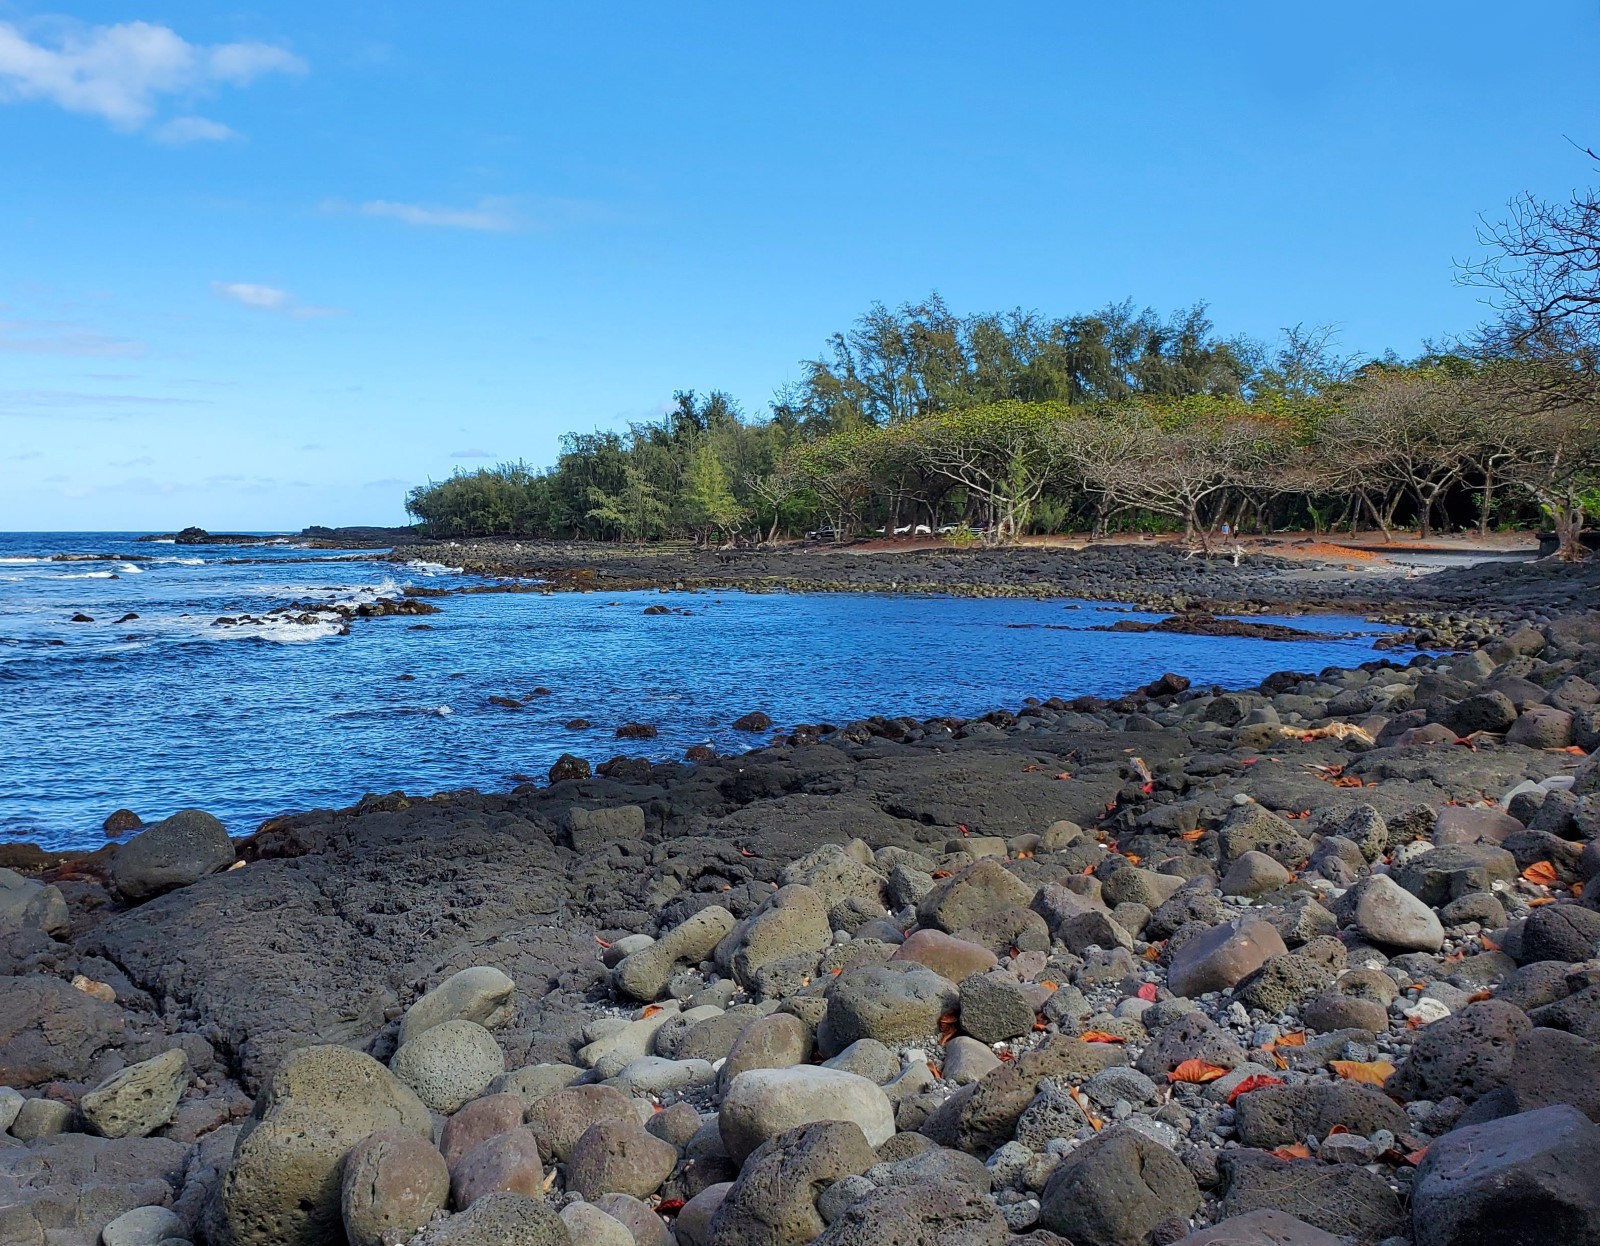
x: 1294, y: 965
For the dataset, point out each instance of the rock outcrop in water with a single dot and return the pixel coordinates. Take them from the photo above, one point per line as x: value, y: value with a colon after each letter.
x: 1306, y: 962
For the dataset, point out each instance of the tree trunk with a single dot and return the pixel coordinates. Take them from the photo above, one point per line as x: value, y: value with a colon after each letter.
x: 1485, y: 501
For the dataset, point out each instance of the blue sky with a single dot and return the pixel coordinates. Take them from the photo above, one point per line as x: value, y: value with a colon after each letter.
x: 267, y: 267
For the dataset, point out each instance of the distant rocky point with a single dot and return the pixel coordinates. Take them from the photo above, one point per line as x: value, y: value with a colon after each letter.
x: 315, y: 537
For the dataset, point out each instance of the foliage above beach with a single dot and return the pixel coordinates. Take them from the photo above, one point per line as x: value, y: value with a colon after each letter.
x: 915, y: 420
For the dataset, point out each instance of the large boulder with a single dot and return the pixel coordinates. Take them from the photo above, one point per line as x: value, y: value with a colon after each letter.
x: 393, y: 1183
x: 643, y: 975
x: 1223, y: 956
x: 138, y: 1100
x: 946, y: 1213
x: 1529, y: 1177
x: 173, y: 853
x: 559, y: 1119
x: 449, y: 1064
x: 482, y: 994
x: 763, y: 1103
x: 1263, y: 1227
x: 1115, y: 1189
x: 619, y: 1157
x: 982, y: 887
x: 282, y: 1187
x: 29, y: 905
x: 776, y: 948
x: 893, y: 1004
x: 50, y: 1031
x: 1386, y: 914
x: 503, y: 1219
x: 506, y: 1163
x: 774, y: 1201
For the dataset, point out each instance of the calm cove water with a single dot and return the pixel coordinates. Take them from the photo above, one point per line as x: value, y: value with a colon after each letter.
x: 255, y: 719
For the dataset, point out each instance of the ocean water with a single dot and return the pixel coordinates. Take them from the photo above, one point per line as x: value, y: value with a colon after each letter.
x: 284, y: 713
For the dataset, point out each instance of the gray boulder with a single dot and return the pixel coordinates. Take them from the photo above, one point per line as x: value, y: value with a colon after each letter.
x: 502, y: 1219
x: 29, y: 905
x: 1115, y: 1190
x: 173, y: 853
x: 763, y: 1103
x: 1388, y: 915
x: 889, y: 1003
x: 644, y: 974
x: 481, y: 994
x: 1222, y: 957
x: 946, y: 1213
x: 1521, y: 1178
x: 393, y: 1183
x: 449, y: 1064
x: 282, y: 1187
x: 774, y: 1201
x: 138, y: 1100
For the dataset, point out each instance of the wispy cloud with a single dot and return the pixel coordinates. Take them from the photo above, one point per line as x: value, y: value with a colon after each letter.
x: 488, y: 215
x: 271, y: 299
x: 62, y: 337
x: 121, y: 73
x: 182, y: 130
x: 83, y: 405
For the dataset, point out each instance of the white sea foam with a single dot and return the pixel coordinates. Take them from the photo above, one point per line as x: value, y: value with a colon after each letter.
x: 432, y: 568
x: 128, y: 568
x: 89, y: 575
x: 22, y: 560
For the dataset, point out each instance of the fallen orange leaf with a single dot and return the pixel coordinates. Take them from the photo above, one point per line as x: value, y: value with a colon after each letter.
x: 1254, y: 1082
x: 1372, y: 1072
x: 1101, y: 1036
x: 1297, y: 1039
x: 1477, y: 997
x: 1541, y: 873
x: 1196, y: 1071
x: 1147, y: 992
x: 1298, y: 1150
x: 650, y: 1011
x: 1192, y: 836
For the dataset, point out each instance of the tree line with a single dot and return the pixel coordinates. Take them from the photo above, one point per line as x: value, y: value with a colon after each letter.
x: 916, y: 419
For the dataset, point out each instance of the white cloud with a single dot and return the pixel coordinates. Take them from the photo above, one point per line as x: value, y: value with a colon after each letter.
x: 119, y: 73
x: 59, y: 337
x: 182, y: 130
x: 267, y: 298
x: 490, y: 215
x: 270, y: 298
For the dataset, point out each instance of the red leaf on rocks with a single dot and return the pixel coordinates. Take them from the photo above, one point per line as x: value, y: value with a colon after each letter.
x: 1338, y: 1129
x: 1254, y: 1082
x: 1414, y: 1157
x: 1196, y: 1071
x: 962, y: 829
x: 1477, y: 997
x: 669, y: 1206
x: 601, y: 941
x: 1297, y: 1039
x: 650, y: 1011
x: 940, y: 874
x: 1540, y: 873
x: 1152, y: 954
x: 1298, y: 1150
x: 1192, y: 836
x: 1101, y: 1036
x: 1147, y: 992
x: 1006, y: 1055
x: 745, y: 852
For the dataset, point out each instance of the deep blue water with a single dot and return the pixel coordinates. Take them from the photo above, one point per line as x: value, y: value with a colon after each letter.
x: 249, y: 721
